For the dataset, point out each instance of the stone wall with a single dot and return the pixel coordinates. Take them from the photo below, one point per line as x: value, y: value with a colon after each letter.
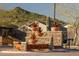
x: 57, y: 38
x: 41, y: 40
x: 0, y: 40
x: 23, y: 44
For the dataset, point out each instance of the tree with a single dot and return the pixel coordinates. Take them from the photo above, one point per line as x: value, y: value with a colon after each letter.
x: 68, y: 13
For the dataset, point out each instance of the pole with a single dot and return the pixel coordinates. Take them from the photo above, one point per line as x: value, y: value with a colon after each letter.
x: 54, y: 10
x: 54, y: 20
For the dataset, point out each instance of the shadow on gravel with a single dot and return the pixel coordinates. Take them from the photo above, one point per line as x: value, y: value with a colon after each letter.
x: 64, y: 50
x: 56, y: 50
x: 5, y: 48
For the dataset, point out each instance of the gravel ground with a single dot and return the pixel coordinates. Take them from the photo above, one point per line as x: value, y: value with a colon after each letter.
x: 55, y: 52
x: 41, y: 54
x: 74, y: 51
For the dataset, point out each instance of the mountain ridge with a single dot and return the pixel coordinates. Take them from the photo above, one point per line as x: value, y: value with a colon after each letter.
x: 19, y: 16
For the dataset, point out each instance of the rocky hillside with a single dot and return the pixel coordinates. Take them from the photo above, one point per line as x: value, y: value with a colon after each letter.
x: 19, y: 16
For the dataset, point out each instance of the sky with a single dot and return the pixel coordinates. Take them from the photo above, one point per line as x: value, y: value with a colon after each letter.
x: 40, y: 8
x: 64, y: 11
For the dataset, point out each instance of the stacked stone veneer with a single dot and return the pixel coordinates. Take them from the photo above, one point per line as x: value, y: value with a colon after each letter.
x: 0, y: 40
x: 55, y: 37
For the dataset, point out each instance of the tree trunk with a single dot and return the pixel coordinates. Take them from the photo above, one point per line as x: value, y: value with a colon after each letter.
x: 75, y: 38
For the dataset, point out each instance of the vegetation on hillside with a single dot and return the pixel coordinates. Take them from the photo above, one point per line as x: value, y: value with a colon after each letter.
x: 19, y: 16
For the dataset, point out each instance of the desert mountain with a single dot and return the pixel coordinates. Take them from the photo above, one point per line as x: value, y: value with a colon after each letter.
x: 19, y: 16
